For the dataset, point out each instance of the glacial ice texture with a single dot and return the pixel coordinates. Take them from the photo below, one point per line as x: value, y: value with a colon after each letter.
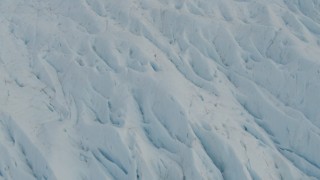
x: 159, y: 89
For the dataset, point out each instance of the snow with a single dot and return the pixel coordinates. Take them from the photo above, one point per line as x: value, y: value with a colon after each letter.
x: 158, y: 89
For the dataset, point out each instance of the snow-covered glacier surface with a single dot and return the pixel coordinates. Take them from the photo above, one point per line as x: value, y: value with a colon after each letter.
x: 159, y: 89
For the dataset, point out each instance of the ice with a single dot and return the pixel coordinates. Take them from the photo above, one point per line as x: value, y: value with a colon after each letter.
x: 159, y: 89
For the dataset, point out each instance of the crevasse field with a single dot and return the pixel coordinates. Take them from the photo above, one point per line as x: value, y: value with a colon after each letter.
x: 159, y: 89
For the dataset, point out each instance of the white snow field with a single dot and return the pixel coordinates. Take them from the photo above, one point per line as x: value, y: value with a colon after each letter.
x: 159, y: 89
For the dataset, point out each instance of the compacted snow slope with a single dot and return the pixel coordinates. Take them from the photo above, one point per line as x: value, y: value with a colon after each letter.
x: 159, y: 89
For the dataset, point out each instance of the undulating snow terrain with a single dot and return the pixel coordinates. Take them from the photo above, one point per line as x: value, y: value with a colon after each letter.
x: 159, y: 89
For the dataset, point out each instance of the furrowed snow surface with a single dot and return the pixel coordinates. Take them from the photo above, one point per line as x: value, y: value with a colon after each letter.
x: 159, y: 89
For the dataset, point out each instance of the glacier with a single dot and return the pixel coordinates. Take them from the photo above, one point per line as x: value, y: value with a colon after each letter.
x: 159, y: 89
